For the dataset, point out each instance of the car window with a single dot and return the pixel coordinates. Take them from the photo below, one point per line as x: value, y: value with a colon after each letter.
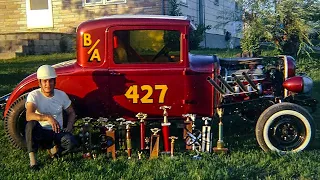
x: 146, y: 46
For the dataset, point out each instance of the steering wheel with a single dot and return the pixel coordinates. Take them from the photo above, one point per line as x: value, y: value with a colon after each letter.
x: 165, y: 50
x: 131, y: 52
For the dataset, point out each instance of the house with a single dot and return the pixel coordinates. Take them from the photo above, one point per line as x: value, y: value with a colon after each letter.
x: 48, y: 26
x: 224, y: 17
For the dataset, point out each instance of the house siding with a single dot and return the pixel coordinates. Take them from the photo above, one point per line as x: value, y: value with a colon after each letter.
x: 12, y: 16
x: 16, y: 38
x: 68, y: 14
x: 221, y: 19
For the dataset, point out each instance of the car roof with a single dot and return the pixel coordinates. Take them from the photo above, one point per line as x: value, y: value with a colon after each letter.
x: 128, y: 16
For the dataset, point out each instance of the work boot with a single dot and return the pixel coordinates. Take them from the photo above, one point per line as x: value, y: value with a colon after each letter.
x: 33, y: 161
x: 53, y: 152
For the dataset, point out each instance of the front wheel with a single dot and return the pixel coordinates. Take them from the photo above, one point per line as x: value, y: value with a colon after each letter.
x: 285, y: 127
x: 15, y: 122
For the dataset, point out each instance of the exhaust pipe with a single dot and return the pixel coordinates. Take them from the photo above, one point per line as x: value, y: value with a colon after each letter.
x: 224, y: 82
x: 237, y: 80
x: 215, y: 85
x: 245, y: 75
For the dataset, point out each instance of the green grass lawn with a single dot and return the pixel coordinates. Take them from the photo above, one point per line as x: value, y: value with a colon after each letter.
x: 14, y: 70
x: 246, y: 160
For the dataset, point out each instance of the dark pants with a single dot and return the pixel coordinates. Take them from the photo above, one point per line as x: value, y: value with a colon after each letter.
x: 37, y: 136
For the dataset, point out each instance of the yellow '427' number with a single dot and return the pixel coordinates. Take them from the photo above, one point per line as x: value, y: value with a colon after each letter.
x: 132, y: 93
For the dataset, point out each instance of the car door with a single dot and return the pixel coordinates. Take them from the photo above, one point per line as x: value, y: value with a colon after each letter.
x: 146, y: 70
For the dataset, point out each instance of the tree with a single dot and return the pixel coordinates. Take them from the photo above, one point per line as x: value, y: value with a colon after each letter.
x: 174, y: 9
x: 285, y: 23
x: 230, y: 17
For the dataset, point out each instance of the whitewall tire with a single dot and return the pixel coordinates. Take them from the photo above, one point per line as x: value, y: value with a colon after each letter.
x: 285, y: 127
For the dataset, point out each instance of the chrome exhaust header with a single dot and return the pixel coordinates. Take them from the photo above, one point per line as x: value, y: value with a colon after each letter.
x: 225, y: 83
x: 245, y: 75
x: 215, y: 85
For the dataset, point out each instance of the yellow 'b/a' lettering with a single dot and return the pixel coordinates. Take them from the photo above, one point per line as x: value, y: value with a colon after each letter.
x: 87, y: 39
x: 95, y: 55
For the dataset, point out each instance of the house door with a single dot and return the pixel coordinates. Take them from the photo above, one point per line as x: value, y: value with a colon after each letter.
x: 39, y: 13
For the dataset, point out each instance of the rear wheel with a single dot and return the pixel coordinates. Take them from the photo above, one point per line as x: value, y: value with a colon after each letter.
x: 285, y: 127
x: 15, y: 122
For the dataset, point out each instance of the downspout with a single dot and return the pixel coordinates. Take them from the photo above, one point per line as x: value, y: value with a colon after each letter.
x: 162, y: 7
x: 204, y: 23
x: 202, y: 19
x: 200, y: 12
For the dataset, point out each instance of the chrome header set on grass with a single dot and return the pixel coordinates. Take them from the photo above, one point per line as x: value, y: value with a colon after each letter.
x: 119, y: 137
x: 3, y: 100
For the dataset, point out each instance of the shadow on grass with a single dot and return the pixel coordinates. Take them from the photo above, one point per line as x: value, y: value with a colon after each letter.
x: 316, y: 114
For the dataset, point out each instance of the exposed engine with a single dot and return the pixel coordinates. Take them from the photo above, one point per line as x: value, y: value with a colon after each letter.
x: 248, y: 80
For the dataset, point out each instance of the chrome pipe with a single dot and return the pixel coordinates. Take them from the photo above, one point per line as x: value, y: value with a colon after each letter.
x: 245, y: 75
x: 237, y: 80
x: 224, y: 82
x: 3, y: 100
x: 215, y: 85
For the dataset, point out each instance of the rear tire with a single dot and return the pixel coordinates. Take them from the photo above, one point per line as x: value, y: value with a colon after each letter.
x: 15, y: 122
x: 284, y: 128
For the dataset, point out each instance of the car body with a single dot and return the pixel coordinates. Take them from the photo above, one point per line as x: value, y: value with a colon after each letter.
x: 131, y: 64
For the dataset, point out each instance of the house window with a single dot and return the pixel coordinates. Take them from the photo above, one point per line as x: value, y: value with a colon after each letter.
x: 216, y: 2
x: 93, y: 1
x: 146, y: 46
x: 101, y: 2
x: 38, y: 5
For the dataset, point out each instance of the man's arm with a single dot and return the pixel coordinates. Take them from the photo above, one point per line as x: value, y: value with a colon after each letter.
x: 71, y: 118
x: 32, y: 115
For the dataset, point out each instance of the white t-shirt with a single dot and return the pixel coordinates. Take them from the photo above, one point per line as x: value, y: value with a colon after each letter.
x: 49, y: 105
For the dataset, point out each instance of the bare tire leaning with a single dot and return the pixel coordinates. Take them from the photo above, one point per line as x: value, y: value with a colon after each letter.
x: 15, y: 122
x: 285, y: 127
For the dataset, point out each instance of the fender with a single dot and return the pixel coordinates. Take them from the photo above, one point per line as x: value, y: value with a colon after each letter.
x: 26, y: 85
x: 31, y: 82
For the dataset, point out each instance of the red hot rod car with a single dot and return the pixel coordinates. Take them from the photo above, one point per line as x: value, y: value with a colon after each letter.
x: 131, y: 64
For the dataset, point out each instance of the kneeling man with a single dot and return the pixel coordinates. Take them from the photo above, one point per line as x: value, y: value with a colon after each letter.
x: 44, y: 117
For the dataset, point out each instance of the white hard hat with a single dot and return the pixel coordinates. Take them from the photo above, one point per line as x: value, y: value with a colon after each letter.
x: 46, y: 72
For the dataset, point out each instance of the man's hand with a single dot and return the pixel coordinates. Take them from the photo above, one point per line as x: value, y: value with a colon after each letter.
x: 54, y: 123
x: 69, y: 128
x: 32, y: 115
x: 71, y: 119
